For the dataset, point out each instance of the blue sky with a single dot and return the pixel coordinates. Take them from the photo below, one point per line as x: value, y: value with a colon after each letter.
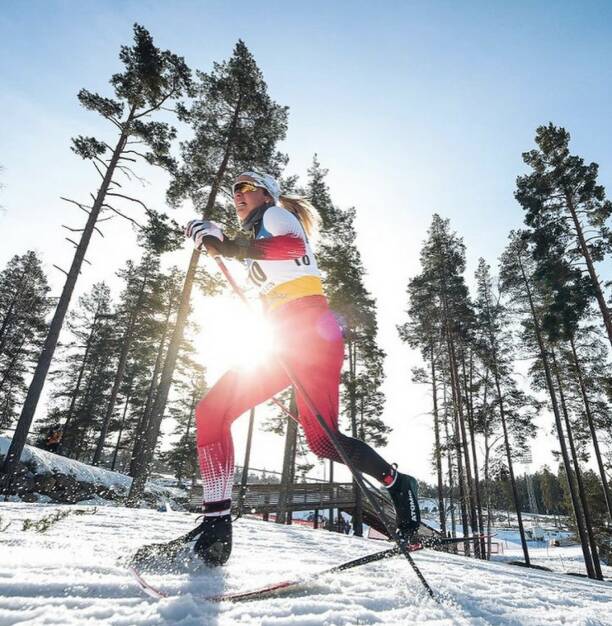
x: 414, y: 107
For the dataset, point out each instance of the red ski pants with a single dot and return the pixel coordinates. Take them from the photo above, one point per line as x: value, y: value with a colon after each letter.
x: 307, y: 338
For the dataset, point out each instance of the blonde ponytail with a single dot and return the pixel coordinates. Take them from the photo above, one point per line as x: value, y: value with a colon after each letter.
x: 303, y: 209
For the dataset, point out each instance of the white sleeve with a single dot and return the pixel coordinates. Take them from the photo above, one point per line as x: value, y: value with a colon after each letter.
x: 279, y: 221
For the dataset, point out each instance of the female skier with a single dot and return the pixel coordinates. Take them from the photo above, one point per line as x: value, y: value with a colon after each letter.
x: 307, y: 338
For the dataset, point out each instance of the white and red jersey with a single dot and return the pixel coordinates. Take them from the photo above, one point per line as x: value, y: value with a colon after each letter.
x: 280, y: 259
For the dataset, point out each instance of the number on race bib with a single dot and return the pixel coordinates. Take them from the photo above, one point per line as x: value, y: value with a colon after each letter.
x: 256, y: 274
x: 305, y: 260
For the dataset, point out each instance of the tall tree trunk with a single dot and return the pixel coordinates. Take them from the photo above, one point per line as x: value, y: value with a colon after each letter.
x: 515, y: 496
x: 582, y: 244
x: 247, y: 459
x: 128, y: 396
x: 358, y: 510
x: 465, y: 475
x: 126, y: 345
x: 77, y: 388
x: 502, y: 414
x: 553, y: 399
x: 72, y: 440
x: 578, y: 473
x: 451, y: 480
x: 438, y: 453
x: 461, y: 482
x: 487, y: 485
x: 285, y: 490
x: 591, y: 423
x: 330, y: 511
x: 48, y: 349
x: 470, y: 414
x: 190, y: 416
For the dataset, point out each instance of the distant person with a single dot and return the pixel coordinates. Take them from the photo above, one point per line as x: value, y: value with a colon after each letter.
x: 53, y: 439
x: 282, y: 266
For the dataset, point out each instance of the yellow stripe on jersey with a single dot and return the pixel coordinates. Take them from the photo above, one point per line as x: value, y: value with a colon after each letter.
x: 292, y: 290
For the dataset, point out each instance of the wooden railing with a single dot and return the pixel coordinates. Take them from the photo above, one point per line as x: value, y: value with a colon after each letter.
x: 263, y: 498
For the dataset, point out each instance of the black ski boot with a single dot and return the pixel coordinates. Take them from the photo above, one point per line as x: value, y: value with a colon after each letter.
x: 214, y: 543
x: 210, y: 542
x: 403, y: 492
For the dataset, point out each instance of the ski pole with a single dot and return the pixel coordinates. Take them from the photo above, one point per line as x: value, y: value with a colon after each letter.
x: 335, y: 441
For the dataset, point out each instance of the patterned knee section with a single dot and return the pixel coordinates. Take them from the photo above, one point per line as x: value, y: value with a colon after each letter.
x: 217, y: 468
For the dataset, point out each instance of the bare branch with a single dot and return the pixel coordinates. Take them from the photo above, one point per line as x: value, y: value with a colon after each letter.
x: 83, y: 207
x: 126, y: 171
x: 134, y: 152
x: 124, y: 158
x: 127, y: 217
x: 101, y: 162
x: 140, y: 202
x: 99, y: 172
x: 57, y: 267
x: 129, y: 171
x: 80, y: 230
x: 114, y: 121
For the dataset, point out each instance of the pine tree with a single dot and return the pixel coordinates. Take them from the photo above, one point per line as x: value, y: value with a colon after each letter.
x: 496, y: 351
x: 150, y: 79
x: 518, y: 279
x: 441, y: 285
x: 566, y: 316
x: 567, y: 290
x: 566, y: 207
x: 423, y: 331
x: 236, y: 127
x: 24, y: 304
x: 82, y: 378
x: 141, y: 282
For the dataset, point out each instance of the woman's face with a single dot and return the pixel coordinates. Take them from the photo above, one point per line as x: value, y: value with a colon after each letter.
x: 247, y: 201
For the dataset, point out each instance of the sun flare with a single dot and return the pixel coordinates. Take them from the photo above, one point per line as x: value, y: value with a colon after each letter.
x: 232, y: 335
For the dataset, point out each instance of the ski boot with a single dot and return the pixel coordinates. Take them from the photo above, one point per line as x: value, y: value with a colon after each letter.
x: 403, y: 492
x: 214, y: 543
x: 209, y: 543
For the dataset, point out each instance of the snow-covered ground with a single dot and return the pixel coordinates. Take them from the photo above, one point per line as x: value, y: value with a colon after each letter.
x: 70, y: 575
x: 42, y: 462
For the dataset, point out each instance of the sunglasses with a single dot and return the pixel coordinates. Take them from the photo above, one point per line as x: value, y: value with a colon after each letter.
x: 245, y: 187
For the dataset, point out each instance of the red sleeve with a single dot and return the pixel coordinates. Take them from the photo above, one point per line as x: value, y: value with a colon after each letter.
x: 277, y: 248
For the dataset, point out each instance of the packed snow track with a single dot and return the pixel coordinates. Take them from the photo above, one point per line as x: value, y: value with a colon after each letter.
x: 69, y: 574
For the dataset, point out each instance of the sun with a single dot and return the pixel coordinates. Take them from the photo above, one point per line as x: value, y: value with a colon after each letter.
x: 232, y: 334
